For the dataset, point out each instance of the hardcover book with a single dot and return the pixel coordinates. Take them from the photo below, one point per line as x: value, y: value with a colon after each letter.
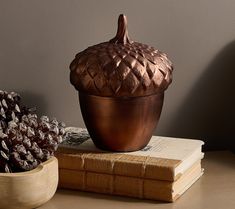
x: 164, y: 158
x: 163, y: 170
x: 129, y: 186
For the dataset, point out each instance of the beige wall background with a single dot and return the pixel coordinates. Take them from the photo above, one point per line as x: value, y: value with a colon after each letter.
x: 38, y: 40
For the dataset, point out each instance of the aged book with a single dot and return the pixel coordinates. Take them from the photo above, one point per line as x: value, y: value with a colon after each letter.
x: 129, y: 186
x: 164, y: 158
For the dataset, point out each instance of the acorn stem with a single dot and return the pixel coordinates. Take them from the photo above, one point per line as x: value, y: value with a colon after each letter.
x: 122, y: 36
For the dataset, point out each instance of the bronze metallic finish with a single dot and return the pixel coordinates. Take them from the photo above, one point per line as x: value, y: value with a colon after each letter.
x: 121, y: 86
x: 121, y: 124
x: 121, y: 68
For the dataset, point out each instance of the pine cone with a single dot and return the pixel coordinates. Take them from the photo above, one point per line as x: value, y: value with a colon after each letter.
x: 28, y: 142
x: 25, y: 140
x: 11, y: 108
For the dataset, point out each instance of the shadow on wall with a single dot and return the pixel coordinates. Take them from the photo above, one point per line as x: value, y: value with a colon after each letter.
x: 34, y: 100
x: 208, y: 112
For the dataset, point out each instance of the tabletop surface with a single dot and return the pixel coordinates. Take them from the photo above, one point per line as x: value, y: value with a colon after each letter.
x: 214, y: 190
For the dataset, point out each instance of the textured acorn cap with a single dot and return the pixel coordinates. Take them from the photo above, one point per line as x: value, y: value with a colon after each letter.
x: 121, y: 68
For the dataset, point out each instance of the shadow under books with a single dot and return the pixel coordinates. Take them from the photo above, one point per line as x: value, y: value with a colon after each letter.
x: 223, y: 159
x: 108, y: 197
x: 208, y: 113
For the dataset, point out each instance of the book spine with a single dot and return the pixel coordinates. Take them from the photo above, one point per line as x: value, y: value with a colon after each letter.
x: 116, y: 185
x: 129, y: 186
x: 120, y: 164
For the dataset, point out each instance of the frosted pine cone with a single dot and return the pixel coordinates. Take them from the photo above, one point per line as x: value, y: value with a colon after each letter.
x: 11, y: 108
x: 27, y: 142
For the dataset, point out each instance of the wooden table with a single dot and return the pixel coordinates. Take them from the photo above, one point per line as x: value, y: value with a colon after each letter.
x: 215, y: 190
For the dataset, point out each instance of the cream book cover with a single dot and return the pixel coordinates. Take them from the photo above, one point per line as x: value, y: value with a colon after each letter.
x: 130, y: 186
x: 164, y: 158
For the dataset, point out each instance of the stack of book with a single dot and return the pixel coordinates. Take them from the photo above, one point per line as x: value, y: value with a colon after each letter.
x: 163, y: 170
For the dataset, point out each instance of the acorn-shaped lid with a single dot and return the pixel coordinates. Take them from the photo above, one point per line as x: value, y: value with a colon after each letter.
x: 121, y: 68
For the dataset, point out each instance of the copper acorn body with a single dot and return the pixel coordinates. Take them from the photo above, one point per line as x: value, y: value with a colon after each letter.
x: 121, y: 87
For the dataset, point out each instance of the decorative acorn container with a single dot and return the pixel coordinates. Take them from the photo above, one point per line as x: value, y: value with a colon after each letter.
x: 121, y: 87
